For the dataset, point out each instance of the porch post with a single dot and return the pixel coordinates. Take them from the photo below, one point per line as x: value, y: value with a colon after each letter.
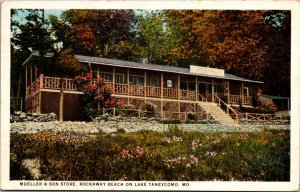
x: 145, y: 84
x: 242, y: 92
x: 128, y: 87
x: 178, y: 86
x: 213, y: 90
x: 228, y: 92
x: 35, y: 72
x: 196, y: 88
x: 114, y: 78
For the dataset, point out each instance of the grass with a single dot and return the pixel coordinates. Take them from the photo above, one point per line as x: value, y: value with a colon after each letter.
x: 148, y: 155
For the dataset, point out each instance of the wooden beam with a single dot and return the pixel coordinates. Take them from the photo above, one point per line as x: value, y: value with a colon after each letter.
x: 114, y: 78
x: 242, y: 92
x: 128, y: 87
x: 228, y: 92
x: 145, y: 85
x: 35, y: 72
x: 213, y: 90
x: 178, y: 86
x: 196, y: 88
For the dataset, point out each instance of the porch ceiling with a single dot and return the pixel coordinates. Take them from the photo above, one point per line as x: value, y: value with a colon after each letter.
x: 154, y: 67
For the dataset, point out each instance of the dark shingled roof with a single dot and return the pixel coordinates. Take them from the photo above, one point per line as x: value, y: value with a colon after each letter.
x: 154, y: 67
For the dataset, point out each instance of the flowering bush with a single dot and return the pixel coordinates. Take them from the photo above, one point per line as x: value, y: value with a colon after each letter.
x: 179, y: 161
x: 265, y: 107
x: 97, y: 95
x: 131, y: 154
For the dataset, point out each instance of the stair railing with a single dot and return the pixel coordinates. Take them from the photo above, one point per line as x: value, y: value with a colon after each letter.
x: 220, y: 101
x: 202, y: 98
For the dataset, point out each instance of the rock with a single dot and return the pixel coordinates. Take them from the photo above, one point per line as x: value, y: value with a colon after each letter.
x: 23, y: 115
x: 18, y: 112
x: 94, y: 130
x: 33, y: 165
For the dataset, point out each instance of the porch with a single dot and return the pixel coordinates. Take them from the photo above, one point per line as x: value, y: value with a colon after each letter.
x: 53, y: 84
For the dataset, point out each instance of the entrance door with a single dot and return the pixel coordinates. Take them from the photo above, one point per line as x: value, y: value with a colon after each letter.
x: 205, y: 90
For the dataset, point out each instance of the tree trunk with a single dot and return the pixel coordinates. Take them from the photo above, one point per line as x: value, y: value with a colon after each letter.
x: 61, y: 100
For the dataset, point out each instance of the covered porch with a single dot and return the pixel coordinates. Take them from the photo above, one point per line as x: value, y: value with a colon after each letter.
x: 160, y: 92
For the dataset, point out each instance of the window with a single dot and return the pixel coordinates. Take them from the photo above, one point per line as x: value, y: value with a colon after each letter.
x: 108, y: 77
x: 185, y: 85
x: 246, y: 91
x: 119, y: 78
x: 95, y: 75
x: 154, y: 82
x: 218, y: 89
x: 136, y: 80
x: 191, y: 86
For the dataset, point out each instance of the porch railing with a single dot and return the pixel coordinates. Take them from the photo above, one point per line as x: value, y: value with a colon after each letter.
x: 45, y: 82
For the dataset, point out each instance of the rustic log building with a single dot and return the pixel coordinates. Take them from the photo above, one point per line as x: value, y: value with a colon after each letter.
x: 174, y: 90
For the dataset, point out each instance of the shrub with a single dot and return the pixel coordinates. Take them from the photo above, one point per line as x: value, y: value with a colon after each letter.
x: 96, y: 96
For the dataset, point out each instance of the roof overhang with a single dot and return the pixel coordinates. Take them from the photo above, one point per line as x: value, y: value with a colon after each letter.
x: 36, y: 54
x: 93, y: 60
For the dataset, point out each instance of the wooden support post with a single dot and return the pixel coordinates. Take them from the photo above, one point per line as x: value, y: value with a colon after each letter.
x: 242, y: 92
x: 40, y: 102
x: 35, y: 72
x: 178, y: 86
x: 197, y: 88
x: 213, y: 90
x: 91, y: 72
x: 114, y: 78
x: 128, y: 85
x: 41, y: 81
x: 145, y: 85
x: 228, y: 91
x: 179, y: 93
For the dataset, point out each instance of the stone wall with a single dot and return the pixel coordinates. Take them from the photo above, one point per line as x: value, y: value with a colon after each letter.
x: 106, y: 124
x: 19, y: 116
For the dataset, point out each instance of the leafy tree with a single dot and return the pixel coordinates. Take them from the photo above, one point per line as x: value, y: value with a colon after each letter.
x: 26, y: 35
x: 89, y: 32
x: 251, y: 44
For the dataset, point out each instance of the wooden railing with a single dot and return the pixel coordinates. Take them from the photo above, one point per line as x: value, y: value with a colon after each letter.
x: 44, y: 82
x: 229, y: 110
x: 170, y: 93
x: 153, y: 91
x: 263, y: 117
x: 188, y: 95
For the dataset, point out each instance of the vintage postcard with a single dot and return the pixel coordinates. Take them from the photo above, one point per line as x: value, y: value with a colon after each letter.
x: 150, y: 95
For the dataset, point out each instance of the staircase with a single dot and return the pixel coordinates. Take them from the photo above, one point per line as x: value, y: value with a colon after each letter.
x: 217, y: 113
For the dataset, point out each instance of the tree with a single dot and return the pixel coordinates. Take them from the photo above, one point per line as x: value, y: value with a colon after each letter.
x: 251, y: 44
x: 89, y: 32
x: 28, y: 35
